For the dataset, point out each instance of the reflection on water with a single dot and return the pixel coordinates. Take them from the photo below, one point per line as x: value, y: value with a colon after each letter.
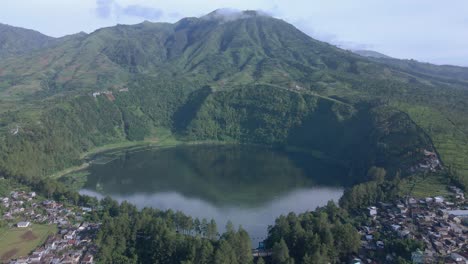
x: 254, y: 220
x: 248, y: 185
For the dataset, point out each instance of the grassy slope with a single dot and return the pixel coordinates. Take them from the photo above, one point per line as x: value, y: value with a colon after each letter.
x: 11, y: 239
x: 451, y: 143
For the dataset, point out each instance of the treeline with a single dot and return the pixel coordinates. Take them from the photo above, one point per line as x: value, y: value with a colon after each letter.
x: 381, y: 187
x: 323, y: 236
x: 57, y: 139
x: 70, y: 126
x: 152, y: 236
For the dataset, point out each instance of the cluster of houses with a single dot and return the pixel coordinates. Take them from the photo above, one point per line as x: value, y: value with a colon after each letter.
x: 108, y: 94
x: 441, y: 225
x: 430, y: 162
x: 18, y: 203
x: 73, y: 243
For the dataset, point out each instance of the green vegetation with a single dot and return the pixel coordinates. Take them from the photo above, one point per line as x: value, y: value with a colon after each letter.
x: 425, y: 185
x: 325, y: 235
x: 256, y: 80
x: 19, y: 242
x: 252, y: 80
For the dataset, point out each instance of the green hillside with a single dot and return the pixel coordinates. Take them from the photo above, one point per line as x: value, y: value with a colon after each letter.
x: 16, y: 41
x: 253, y: 79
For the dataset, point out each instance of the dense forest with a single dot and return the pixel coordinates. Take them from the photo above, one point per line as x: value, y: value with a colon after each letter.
x: 360, y: 135
x: 255, y: 80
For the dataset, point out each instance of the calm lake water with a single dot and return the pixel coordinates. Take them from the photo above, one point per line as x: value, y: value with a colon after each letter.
x: 248, y: 185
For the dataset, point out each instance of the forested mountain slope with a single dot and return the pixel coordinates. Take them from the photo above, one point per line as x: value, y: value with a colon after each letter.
x: 16, y: 41
x: 250, y: 79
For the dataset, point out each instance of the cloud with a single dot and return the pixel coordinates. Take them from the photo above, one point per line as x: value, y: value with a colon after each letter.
x: 104, y: 8
x: 108, y: 8
x: 143, y: 12
x: 229, y: 14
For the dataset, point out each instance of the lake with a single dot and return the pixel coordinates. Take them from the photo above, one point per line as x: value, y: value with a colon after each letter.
x: 249, y: 185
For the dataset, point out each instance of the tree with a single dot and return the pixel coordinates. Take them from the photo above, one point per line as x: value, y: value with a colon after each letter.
x: 260, y: 260
x: 225, y: 254
x: 212, y: 230
x: 376, y: 174
x: 281, y: 253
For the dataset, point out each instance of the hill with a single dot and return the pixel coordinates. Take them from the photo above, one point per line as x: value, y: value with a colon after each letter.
x: 245, y: 77
x: 16, y: 41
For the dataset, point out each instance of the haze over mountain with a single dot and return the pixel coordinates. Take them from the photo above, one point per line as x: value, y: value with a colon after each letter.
x: 242, y: 76
x: 371, y: 53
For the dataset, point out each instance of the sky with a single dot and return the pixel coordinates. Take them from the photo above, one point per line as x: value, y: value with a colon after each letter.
x: 433, y: 31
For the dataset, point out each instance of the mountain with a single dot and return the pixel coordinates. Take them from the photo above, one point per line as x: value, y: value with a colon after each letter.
x: 230, y: 76
x: 16, y: 41
x: 371, y: 53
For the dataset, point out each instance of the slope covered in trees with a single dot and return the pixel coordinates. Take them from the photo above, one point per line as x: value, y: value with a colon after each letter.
x: 16, y: 41
x: 254, y: 79
x: 186, y: 76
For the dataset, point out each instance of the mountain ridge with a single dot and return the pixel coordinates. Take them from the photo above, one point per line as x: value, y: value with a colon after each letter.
x: 165, y: 67
x: 17, y: 41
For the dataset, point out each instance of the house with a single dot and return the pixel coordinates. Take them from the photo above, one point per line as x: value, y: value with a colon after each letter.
x: 411, y: 200
x: 372, y: 210
x: 457, y: 257
x: 35, y: 258
x: 380, y: 244
x: 417, y: 257
x: 86, y: 209
x: 439, y: 199
x: 88, y: 259
x: 458, y: 213
x: 356, y: 261
x: 23, y: 224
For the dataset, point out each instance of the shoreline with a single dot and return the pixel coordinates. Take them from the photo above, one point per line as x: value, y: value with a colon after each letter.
x: 119, y: 147
x: 169, y: 141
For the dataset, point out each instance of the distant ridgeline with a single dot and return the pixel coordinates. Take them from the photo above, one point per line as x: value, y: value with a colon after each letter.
x: 253, y: 79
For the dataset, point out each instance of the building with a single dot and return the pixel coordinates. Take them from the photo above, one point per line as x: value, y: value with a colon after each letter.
x: 372, y: 210
x: 458, y: 213
x: 457, y: 257
x: 23, y: 224
x: 417, y: 257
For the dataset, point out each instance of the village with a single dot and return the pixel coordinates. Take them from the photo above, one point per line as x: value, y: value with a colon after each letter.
x: 72, y: 242
x: 430, y: 162
x: 441, y: 224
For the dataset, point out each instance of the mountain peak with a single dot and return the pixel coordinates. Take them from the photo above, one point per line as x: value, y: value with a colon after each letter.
x: 228, y: 14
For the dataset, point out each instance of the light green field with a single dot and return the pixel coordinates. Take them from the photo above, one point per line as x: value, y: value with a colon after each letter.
x: 19, y: 242
x: 450, y: 141
x: 420, y: 186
